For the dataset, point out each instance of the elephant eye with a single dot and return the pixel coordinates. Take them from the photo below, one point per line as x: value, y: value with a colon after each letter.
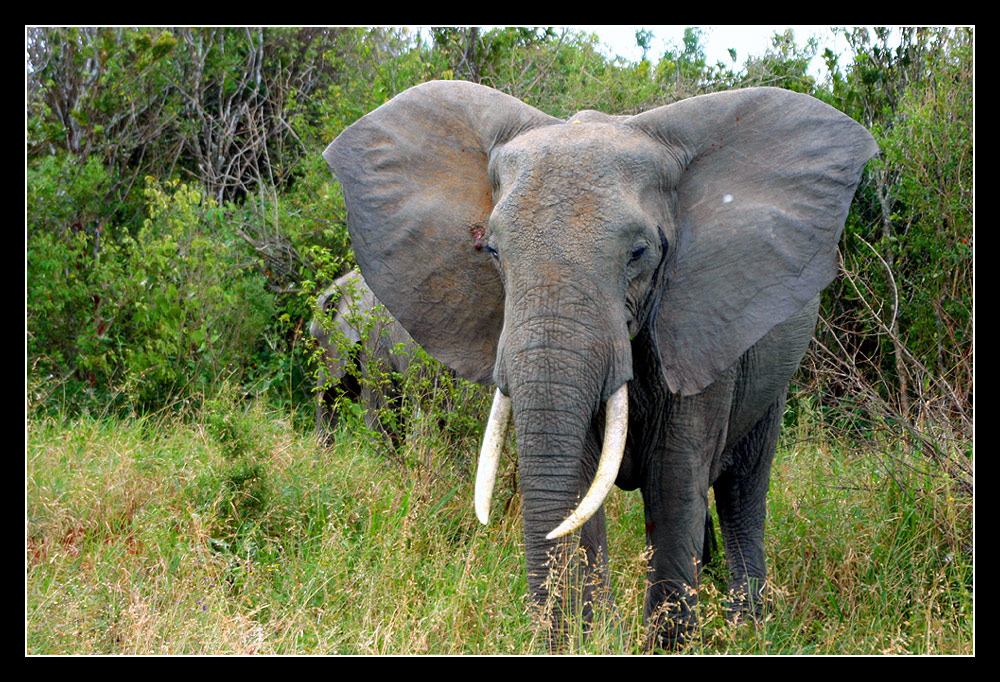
x: 637, y: 252
x: 493, y: 252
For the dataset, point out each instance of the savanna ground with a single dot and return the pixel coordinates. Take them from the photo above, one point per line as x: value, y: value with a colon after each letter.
x: 228, y: 530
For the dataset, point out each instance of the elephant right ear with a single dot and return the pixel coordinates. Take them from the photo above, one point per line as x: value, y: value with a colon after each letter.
x: 418, y: 197
x: 765, y: 181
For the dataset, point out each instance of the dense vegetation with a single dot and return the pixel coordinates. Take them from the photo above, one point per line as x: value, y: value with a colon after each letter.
x: 180, y: 221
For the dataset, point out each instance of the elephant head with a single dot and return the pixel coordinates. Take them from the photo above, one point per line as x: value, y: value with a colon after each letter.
x: 361, y: 346
x: 605, y: 271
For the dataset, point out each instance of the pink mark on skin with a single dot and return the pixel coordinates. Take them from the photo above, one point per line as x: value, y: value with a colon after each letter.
x: 477, y: 232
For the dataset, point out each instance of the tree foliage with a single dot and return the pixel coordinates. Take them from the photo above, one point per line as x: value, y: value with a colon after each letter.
x: 912, y: 240
x: 179, y: 214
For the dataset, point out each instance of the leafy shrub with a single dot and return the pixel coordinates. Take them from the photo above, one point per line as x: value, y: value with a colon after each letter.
x: 196, y: 306
x: 163, y: 313
x: 71, y: 272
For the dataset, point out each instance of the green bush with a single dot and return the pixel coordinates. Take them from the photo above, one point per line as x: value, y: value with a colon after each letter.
x: 162, y: 314
x: 196, y: 305
x: 906, y: 299
x: 238, y: 492
x: 140, y: 290
x: 72, y: 272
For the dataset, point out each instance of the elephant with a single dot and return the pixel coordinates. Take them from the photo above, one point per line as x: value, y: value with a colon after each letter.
x: 362, y: 348
x: 640, y: 289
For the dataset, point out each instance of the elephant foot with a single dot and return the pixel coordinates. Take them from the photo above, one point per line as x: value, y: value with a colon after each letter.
x: 673, y: 624
x: 672, y: 638
x: 747, y: 601
x: 566, y: 622
x: 566, y: 604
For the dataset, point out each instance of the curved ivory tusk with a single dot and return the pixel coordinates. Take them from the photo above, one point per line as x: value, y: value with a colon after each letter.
x: 615, y: 429
x: 489, y: 455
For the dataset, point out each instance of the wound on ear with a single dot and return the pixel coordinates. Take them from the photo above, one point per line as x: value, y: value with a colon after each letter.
x: 477, y: 232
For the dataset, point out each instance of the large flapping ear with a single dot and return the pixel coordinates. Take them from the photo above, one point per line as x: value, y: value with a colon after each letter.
x: 765, y: 184
x: 418, y: 196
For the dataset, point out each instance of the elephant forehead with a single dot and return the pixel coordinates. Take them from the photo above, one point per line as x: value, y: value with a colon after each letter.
x: 594, y: 172
x: 593, y: 151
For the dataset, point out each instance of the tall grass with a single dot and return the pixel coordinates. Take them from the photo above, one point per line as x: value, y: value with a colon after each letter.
x: 227, y: 531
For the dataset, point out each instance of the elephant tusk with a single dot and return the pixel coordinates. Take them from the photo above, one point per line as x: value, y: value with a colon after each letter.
x: 489, y: 455
x: 615, y: 430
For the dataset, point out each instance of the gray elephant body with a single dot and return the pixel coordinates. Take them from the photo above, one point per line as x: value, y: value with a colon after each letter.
x: 675, y: 256
x: 362, y: 346
x: 724, y: 438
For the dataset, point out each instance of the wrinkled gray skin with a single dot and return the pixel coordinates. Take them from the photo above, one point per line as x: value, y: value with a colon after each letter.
x: 348, y: 302
x: 681, y: 250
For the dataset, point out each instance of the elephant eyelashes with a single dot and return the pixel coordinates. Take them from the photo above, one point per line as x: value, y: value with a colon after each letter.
x: 637, y: 252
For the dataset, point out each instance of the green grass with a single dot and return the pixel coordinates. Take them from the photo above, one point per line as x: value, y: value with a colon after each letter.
x: 229, y: 531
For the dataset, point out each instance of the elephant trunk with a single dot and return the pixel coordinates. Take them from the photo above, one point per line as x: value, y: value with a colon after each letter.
x: 612, y: 450
x: 559, y: 374
x: 615, y: 430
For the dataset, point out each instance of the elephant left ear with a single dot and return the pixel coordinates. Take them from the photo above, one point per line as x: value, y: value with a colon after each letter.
x: 415, y: 175
x: 765, y: 179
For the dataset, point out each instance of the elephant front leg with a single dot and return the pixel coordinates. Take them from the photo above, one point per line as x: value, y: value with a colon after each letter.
x: 675, y: 482
x: 740, y: 498
x: 675, y: 511
x: 326, y: 415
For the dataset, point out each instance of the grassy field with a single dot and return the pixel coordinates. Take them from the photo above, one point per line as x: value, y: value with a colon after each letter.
x: 229, y: 531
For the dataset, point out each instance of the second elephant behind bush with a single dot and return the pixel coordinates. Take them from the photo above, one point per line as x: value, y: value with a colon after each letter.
x: 364, y: 350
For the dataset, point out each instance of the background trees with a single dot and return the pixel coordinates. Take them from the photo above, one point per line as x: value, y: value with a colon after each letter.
x: 179, y: 214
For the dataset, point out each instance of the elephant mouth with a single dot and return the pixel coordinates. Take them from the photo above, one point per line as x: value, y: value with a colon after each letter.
x: 615, y: 430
